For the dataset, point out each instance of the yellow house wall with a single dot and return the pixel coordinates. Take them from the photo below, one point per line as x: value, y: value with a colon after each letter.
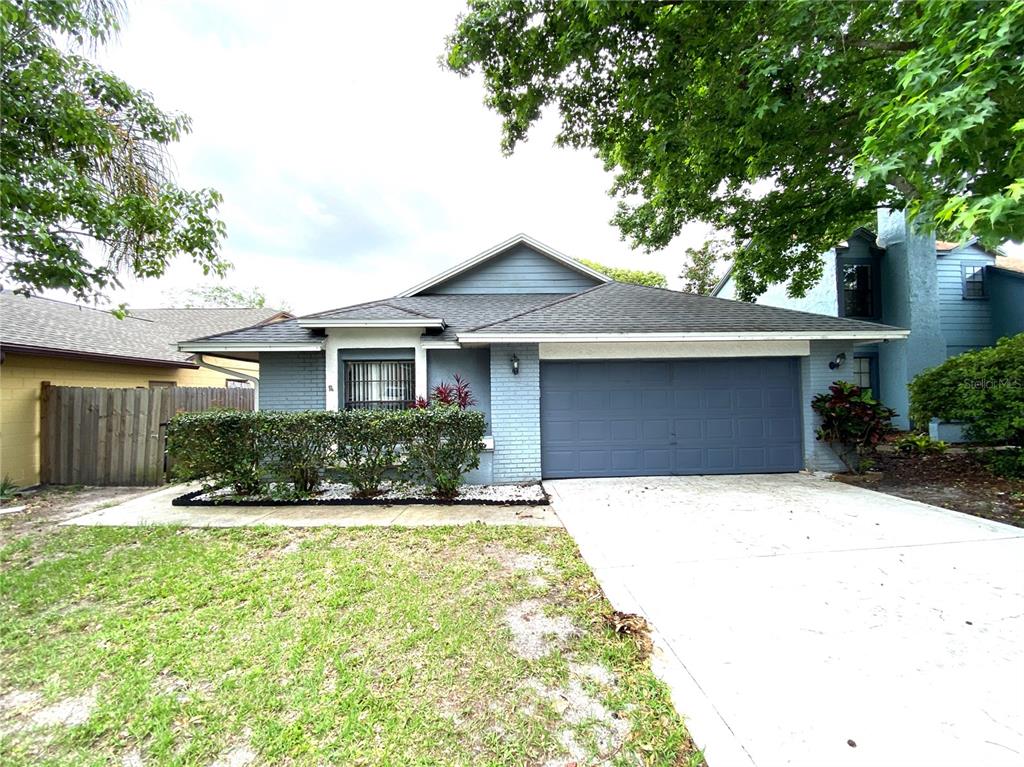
x: 21, y: 378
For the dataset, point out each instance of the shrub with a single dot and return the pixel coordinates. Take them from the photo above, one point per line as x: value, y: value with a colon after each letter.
x: 852, y: 422
x: 920, y: 444
x: 984, y: 389
x: 1006, y: 463
x: 442, y: 443
x: 300, y: 445
x: 226, y: 446
x: 368, y: 447
x: 244, y: 449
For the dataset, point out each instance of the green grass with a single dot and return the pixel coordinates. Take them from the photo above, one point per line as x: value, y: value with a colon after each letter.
x: 329, y: 646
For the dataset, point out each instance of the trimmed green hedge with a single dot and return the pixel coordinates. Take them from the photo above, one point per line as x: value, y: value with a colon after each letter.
x: 432, y: 446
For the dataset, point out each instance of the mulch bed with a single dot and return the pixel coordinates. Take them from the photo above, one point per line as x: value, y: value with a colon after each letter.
x: 339, y: 495
x: 953, y: 480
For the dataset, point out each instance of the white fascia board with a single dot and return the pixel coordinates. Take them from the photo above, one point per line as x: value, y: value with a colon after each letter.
x: 425, y: 322
x: 215, y: 347
x: 672, y: 349
x: 850, y: 335
x: 441, y: 345
x: 519, y: 239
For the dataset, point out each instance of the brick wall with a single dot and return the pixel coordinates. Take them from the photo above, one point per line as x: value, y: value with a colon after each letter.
x: 292, y: 381
x: 816, y: 377
x: 515, y: 413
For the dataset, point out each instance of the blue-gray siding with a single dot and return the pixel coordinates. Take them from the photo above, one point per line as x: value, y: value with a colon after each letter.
x: 520, y: 270
x: 966, y: 323
x: 815, y: 378
x: 474, y: 365
x: 616, y: 418
x: 292, y: 381
x: 1006, y: 295
x: 515, y: 413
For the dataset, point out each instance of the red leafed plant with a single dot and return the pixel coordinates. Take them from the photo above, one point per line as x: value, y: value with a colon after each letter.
x: 852, y: 421
x: 456, y: 393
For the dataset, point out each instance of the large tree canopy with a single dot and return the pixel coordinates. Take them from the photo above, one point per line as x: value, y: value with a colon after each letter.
x: 635, y: 276
x: 83, y: 158
x: 784, y: 122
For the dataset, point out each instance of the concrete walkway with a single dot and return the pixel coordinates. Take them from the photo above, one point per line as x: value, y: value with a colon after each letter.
x: 155, y: 509
x: 808, y: 622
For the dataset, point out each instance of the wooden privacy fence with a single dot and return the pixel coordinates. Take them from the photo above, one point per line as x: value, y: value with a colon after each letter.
x: 91, y: 436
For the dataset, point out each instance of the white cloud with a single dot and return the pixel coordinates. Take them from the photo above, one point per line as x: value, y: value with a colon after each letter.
x: 351, y: 164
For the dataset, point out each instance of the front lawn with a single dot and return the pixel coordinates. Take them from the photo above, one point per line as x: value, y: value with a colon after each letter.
x: 466, y: 645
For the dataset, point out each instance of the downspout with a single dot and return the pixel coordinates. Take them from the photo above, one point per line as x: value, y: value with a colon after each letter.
x: 233, y: 374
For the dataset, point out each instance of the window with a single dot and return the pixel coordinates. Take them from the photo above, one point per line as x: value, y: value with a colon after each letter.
x: 238, y: 383
x: 383, y: 384
x: 858, y: 291
x: 974, y: 281
x: 864, y: 372
x: 162, y: 384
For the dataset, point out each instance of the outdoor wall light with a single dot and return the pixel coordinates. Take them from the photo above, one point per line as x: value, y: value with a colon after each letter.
x: 515, y: 365
x: 838, y: 361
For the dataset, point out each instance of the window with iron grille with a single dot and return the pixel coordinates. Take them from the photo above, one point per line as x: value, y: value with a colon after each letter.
x: 384, y: 384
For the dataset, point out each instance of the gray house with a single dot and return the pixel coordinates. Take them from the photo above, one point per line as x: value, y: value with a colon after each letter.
x: 578, y: 375
x: 952, y: 297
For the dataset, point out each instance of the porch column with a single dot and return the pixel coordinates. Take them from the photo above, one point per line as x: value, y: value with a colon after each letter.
x: 421, y: 371
x: 331, y: 349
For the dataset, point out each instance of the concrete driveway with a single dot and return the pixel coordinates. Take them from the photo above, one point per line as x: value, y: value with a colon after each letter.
x: 806, y: 622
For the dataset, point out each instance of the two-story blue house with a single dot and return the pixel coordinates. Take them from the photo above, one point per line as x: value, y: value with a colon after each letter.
x: 952, y: 298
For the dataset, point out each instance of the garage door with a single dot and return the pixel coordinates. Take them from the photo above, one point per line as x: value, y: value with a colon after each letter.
x: 624, y: 418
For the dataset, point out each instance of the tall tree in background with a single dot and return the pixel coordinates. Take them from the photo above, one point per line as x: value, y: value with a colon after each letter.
x: 633, y: 276
x: 83, y: 158
x: 699, y: 275
x: 785, y: 123
x: 224, y: 296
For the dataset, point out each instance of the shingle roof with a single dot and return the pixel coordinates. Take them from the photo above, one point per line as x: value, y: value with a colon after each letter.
x: 190, y: 322
x: 460, y: 312
x: 621, y: 308
x: 57, y: 326
x: 613, y: 307
x: 284, y: 332
x: 374, y: 310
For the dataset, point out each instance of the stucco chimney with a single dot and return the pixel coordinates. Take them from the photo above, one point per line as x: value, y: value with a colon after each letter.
x: 892, y: 227
x: 910, y: 299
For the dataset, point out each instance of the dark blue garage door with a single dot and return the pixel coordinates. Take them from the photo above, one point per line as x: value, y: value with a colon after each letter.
x: 623, y: 418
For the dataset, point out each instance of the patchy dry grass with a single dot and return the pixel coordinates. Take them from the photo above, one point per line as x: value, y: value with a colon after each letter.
x: 168, y: 646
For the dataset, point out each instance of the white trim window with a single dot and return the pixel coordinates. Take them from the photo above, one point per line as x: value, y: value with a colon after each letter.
x: 862, y: 372
x: 380, y: 384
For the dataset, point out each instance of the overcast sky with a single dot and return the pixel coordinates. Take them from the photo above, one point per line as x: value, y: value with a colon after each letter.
x: 351, y: 164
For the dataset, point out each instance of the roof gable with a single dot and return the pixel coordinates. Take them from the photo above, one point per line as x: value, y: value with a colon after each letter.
x: 518, y: 265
